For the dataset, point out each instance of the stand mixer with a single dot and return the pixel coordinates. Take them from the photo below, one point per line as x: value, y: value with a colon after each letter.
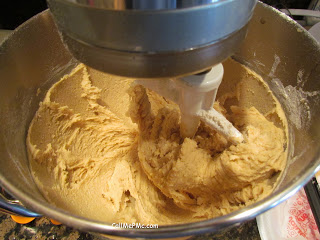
x: 179, y: 44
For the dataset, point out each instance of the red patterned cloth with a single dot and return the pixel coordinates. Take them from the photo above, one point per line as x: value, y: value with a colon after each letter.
x: 291, y: 220
x: 301, y: 221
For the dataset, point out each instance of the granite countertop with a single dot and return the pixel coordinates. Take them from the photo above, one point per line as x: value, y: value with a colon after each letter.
x: 42, y: 229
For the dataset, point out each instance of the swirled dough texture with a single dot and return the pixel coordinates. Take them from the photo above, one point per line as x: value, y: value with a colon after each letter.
x: 105, y: 149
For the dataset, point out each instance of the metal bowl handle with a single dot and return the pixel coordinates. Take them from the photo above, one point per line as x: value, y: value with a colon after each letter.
x: 13, y: 207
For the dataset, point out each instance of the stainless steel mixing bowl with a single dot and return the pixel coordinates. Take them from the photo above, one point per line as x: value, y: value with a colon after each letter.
x: 282, y: 52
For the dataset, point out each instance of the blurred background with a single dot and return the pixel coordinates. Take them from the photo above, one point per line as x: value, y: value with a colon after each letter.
x: 15, y: 12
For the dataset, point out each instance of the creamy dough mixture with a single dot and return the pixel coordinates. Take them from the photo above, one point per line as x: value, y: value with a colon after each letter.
x: 105, y: 149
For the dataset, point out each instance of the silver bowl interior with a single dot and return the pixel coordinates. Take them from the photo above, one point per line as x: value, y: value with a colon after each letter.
x: 288, y: 58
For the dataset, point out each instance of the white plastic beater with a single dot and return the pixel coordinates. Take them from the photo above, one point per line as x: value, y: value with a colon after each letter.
x: 195, y: 95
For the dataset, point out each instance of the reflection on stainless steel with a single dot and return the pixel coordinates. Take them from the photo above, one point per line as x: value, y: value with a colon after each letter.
x: 157, y: 39
x: 143, y: 4
x: 154, y: 65
x: 34, y: 57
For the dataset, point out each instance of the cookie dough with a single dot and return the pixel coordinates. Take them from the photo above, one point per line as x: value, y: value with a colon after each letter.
x: 106, y: 149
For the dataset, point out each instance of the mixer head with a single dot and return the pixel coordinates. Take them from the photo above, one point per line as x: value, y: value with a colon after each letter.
x: 152, y: 38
